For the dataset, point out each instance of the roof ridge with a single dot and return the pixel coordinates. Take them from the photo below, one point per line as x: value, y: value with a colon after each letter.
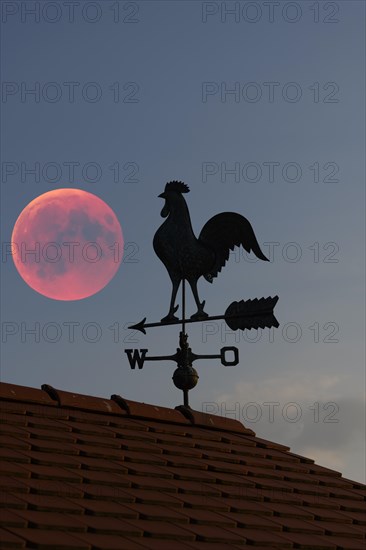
x: 116, y: 404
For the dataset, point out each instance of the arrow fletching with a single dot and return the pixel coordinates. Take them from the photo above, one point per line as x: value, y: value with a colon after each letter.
x: 252, y: 314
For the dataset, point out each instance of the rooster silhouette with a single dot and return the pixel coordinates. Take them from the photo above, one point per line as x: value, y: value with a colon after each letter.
x: 189, y: 258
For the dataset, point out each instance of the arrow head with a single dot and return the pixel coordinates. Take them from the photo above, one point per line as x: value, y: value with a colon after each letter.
x: 139, y: 326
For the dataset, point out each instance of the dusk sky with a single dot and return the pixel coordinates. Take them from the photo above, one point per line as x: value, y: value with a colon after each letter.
x: 259, y: 108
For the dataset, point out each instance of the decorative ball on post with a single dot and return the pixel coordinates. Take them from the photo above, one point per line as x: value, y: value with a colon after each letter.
x: 185, y: 378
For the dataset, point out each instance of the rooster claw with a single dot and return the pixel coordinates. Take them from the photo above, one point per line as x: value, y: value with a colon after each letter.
x: 170, y: 318
x: 200, y: 314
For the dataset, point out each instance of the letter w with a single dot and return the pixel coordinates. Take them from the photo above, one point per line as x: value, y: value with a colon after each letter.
x: 135, y: 357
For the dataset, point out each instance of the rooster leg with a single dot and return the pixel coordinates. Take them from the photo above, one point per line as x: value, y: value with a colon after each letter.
x: 172, y: 309
x: 200, y: 314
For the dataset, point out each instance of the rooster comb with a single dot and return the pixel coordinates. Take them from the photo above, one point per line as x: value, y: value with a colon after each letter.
x: 178, y: 186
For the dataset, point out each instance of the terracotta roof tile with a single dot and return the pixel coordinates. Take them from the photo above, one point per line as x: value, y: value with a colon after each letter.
x: 25, y: 394
x: 9, y: 540
x: 92, y: 473
x: 153, y: 412
x: 46, y: 539
x: 49, y: 520
x: 212, y: 421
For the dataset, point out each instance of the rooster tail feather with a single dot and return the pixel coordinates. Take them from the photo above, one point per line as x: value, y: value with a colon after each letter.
x: 257, y: 251
x: 222, y: 233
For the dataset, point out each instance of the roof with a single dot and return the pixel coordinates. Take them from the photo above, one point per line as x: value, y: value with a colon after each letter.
x: 81, y: 472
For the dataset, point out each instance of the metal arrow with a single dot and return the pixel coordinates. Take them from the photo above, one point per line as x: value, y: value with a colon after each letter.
x: 246, y: 314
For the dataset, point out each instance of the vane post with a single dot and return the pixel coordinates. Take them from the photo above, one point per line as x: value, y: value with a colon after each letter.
x: 185, y: 391
x: 183, y: 306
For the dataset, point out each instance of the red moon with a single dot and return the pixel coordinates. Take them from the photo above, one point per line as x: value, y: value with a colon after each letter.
x: 67, y: 244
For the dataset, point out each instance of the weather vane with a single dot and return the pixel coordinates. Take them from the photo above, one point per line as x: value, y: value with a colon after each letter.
x: 187, y: 258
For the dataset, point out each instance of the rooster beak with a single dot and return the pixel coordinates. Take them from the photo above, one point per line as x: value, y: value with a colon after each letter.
x: 162, y: 196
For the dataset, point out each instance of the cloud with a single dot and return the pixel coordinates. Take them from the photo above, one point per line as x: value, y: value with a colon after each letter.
x: 311, y: 413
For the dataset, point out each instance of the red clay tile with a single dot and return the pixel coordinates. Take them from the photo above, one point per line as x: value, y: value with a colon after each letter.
x: 253, y: 521
x: 98, y: 451
x: 154, y: 544
x: 247, y: 507
x: 105, y: 542
x: 208, y: 517
x: 37, y: 471
x: 9, y: 540
x: 163, y: 529
x: 256, y: 537
x: 158, y: 513
x: 218, y: 546
x: 134, y: 441
x: 194, y: 488
x: 222, y: 456
x: 209, y: 533
x: 352, y: 505
x: 147, y: 470
x: 54, y: 488
x: 15, y: 442
x: 46, y: 539
x: 358, y: 518
x: 242, y: 492
x: 99, y: 465
x: 52, y: 446
x: 205, y: 420
x: 14, y: 456
x: 11, y: 502
x: 50, y: 520
x: 13, y: 469
x: 104, y: 508
x: 154, y: 412
x: 295, y: 525
x: 307, y: 541
x: 180, y: 440
x: 290, y: 511
x: 52, y: 434
x: 149, y: 497
x: 88, y: 417
x: 13, y: 485
x: 203, y: 503
x: 185, y: 474
x: 25, y: 394
x: 102, y: 478
x: 108, y: 525
x: 236, y: 480
x: 265, y: 444
x: 44, y: 503
x: 324, y: 514
x: 46, y: 458
x: 340, y: 492
x: 97, y: 440
x: 10, y: 518
x: 321, y: 470
x: 341, y: 529
x: 80, y: 401
x: 347, y: 544
x: 51, y: 422
x: 8, y: 418
x: 95, y: 491
x: 153, y: 483
x: 145, y: 457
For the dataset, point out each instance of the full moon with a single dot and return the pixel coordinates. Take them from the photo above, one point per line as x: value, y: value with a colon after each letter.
x: 67, y: 244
